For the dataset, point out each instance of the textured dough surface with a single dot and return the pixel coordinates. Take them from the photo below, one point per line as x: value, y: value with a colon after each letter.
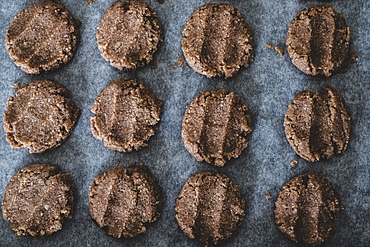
x: 209, y: 207
x: 318, y: 41
x: 306, y: 208
x: 124, y: 200
x: 40, y: 116
x: 37, y: 200
x: 215, y: 126
x: 42, y: 37
x: 318, y: 125
x: 128, y: 34
x: 217, y: 41
x: 126, y: 115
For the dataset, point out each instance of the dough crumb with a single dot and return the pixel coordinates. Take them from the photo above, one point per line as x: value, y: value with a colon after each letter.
x: 153, y: 64
x: 279, y: 50
x: 90, y: 1
x: 180, y: 62
x: 15, y: 85
x: 294, y: 163
x: 268, y: 46
x: 268, y: 196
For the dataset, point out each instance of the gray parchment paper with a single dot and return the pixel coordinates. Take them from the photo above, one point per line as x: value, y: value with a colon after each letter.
x: 267, y: 87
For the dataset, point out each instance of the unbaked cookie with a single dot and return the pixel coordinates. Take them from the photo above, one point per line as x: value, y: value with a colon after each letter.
x: 318, y: 41
x: 40, y: 116
x: 318, y: 125
x: 128, y: 34
x: 125, y: 200
x: 215, y: 126
x: 209, y: 207
x: 306, y: 209
x: 217, y: 41
x: 37, y: 200
x: 42, y: 37
x: 126, y: 115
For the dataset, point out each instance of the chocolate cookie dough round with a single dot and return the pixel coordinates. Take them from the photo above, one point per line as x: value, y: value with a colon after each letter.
x: 217, y: 41
x: 209, y: 207
x: 40, y: 116
x: 215, y: 126
x: 37, y: 200
x: 318, y: 41
x: 318, y: 125
x: 128, y: 34
x: 42, y: 37
x: 126, y: 115
x: 306, y: 209
x: 125, y: 200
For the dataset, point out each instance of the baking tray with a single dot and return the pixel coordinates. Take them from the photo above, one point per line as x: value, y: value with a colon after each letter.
x: 267, y: 86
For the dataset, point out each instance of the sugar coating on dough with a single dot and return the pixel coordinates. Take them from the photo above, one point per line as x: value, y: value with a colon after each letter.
x: 209, y: 207
x: 216, y: 126
x: 128, y: 34
x: 127, y: 114
x: 125, y: 200
x: 306, y: 209
x: 217, y: 41
x: 42, y: 37
x: 40, y: 116
x: 37, y: 200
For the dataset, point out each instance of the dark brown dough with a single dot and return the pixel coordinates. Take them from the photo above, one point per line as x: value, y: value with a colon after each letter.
x: 37, y: 200
x: 217, y: 41
x: 40, y: 116
x: 128, y: 34
x: 124, y: 200
x: 318, y: 41
x: 42, y: 37
x: 126, y: 115
x: 215, y: 126
x: 306, y: 208
x: 209, y: 207
x: 318, y: 125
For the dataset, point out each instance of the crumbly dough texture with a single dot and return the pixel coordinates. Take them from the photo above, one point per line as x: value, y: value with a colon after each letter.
x: 126, y: 115
x: 42, y: 37
x: 217, y: 41
x: 37, y: 200
x: 209, y: 207
x: 40, y: 116
x: 318, y: 41
x: 215, y: 126
x: 128, y: 34
x: 306, y: 208
x: 124, y: 200
x: 318, y: 125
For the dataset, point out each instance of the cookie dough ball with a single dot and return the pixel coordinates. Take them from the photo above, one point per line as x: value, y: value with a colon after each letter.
x: 209, y: 207
x: 128, y: 34
x: 318, y: 41
x: 217, y: 41
x: 126, y: 115
x: 124, y: 200
x: 306, y: 209
x: 40, y: 116
x: 42, y: 37
x: 215, y: 127
x: 37, y: 200
x: 318, y: 125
